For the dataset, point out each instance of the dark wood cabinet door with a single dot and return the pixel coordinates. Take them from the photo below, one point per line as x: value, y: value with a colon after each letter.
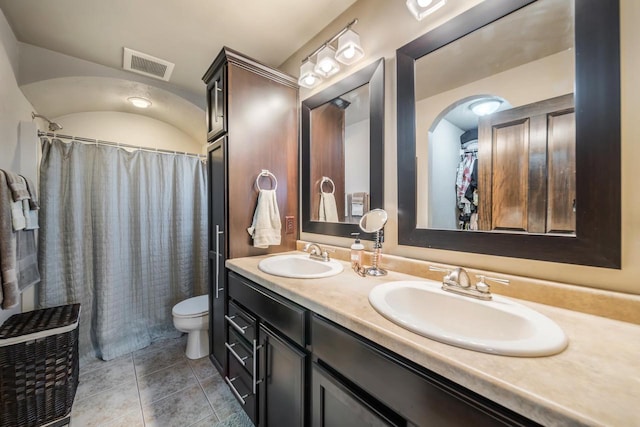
x: 527, y: 168
x: 216, y: 104
x: 217, y: 252
x: 333, y: 404
x: 282, y: 387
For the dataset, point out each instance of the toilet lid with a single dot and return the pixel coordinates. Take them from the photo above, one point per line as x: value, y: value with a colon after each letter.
x: 192, y: 307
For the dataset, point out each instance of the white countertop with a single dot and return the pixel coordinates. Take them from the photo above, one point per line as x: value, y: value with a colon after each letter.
x: 595, y: 381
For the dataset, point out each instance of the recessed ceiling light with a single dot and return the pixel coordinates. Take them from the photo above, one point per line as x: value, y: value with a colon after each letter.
x: 485, y: 107
x: 139, y: 102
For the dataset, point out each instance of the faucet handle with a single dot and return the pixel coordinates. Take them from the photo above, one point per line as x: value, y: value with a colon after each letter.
x: 483, y: 287
x: 325, y: 253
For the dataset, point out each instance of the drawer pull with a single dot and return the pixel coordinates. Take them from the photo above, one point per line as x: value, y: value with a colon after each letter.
x: 236, y: 355
x: 233, y: 389
x: 235, y: 325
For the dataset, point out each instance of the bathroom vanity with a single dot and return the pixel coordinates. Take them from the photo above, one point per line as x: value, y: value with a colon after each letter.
x: 316, y: 352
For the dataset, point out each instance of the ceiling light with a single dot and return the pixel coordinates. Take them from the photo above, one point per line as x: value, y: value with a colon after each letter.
x: 422, y: 8
x: 139, y: 102
x: 485, y: 107
x: 326, y: 64
x: 308, y: 77
x: 349, y: 48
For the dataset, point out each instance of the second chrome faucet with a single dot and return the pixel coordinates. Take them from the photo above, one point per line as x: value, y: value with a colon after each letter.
x: 458, y: 282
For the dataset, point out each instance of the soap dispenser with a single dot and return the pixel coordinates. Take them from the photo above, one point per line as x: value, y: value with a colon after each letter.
x: 356, y: 251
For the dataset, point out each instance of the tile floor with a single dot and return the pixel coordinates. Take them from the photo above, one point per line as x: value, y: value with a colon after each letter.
x: 155, y: 387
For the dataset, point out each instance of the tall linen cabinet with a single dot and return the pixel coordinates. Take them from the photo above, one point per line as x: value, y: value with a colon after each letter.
x: 252, y: 125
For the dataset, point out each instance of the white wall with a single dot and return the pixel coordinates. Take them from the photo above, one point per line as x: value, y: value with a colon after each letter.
x: 443, y: 159
x: 386, y: 25
x: 14, y: 108
x: 356, y: 159
x: 128, y: 128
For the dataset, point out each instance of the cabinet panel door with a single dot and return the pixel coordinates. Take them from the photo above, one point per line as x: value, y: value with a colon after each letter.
x: 334, y: 405
x: 216, y: 104
x: 217, y: 252
x: 282, y: 390
x: 526, y: 169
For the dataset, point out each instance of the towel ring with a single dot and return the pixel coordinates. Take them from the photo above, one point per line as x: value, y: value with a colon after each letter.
x: 267, y: 173
x: 327, y: 179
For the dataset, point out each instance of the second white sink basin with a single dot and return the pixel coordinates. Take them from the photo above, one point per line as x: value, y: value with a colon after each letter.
x: 501, y: 326
x: 299, y: 267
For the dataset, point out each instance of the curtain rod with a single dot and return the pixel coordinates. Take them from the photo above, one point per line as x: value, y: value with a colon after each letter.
x: 117, y: 144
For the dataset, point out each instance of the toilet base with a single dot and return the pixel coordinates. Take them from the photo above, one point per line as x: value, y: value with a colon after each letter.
x: 197, y: 344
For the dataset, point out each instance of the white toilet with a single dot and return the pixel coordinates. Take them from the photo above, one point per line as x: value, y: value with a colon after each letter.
x: 192, y: 316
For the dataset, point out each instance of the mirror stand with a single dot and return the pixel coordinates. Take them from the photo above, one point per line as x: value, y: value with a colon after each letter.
x: 373, y: 222
x: 374, y: 270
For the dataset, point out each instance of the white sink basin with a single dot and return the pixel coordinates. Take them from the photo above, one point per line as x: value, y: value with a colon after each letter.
x: 501, y: 326
x: 299, y: 267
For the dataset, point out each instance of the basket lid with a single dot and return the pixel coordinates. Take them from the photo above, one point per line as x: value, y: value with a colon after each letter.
x: 35, y: 321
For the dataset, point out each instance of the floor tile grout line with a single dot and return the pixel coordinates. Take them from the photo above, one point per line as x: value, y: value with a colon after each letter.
x: 162, y: 369
x: 135, y: 371
x: 205, y: 393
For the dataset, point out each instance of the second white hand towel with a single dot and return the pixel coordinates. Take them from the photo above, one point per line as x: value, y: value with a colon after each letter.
x: 328, y: 208
x: 266, y: 225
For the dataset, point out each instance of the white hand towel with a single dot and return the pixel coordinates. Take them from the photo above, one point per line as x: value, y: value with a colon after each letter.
x: 31, y: 217
x: 328, y: 208
x: 266, y: 225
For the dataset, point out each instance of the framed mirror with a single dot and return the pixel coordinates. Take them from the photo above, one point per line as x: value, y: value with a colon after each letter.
x: 509, y: 132
x: 342, y: 153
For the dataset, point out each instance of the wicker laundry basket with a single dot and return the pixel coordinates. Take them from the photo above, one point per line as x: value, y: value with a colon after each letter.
x: 39, y: 367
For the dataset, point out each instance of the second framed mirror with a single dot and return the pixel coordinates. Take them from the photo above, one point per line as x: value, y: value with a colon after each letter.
x: 342, y: 153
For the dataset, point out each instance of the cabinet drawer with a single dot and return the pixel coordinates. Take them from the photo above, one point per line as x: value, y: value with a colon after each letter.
x: 241, y: 322
x: 421, y: 396
x: 238, y: 349
x: 288, y: 318
x: 241, y: 385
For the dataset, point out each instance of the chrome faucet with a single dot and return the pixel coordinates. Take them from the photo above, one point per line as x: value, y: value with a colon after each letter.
x: 457, y: 281
x: 316, y: 252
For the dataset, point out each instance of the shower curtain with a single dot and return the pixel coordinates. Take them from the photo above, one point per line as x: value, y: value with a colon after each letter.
x: 124, y: 234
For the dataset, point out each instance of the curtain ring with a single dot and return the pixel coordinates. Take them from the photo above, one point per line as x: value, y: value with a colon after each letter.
x: 267, y: 173
x: 327, y: 179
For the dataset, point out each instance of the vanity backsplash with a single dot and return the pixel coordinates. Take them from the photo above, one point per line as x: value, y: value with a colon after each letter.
x: 613, y: 305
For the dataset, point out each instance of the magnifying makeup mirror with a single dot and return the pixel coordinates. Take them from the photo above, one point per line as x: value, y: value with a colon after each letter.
x: 374, y: 222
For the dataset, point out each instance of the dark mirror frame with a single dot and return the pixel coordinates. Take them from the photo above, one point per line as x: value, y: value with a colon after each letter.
x: 374, y: 75
x: 597, y: 98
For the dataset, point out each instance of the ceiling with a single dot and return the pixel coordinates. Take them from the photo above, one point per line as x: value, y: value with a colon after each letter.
x: 188, y: 33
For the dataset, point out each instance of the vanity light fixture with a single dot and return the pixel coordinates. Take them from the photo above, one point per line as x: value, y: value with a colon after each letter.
x: 422, y: 8
x: 326, y: 64
x: 349, y: 48
x: 484, y: 107
x: 139, y: 102
x: 327, y: 58
x: 308, y: 77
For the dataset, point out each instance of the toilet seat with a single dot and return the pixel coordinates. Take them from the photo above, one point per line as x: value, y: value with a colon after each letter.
x: 192, y: 307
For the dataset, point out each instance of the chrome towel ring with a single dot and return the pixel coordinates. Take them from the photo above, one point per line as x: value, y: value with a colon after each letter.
x: 327, y: 179
x: 266, y: 173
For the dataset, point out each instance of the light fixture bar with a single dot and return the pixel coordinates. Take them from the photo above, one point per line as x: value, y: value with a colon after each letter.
x: 332, y: 39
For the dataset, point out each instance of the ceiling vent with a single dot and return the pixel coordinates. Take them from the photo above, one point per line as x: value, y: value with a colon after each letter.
x: 147, y: 65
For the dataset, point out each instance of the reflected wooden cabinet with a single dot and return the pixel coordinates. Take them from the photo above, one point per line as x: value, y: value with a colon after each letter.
x: 327, y: 155
x: 527, y: 168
